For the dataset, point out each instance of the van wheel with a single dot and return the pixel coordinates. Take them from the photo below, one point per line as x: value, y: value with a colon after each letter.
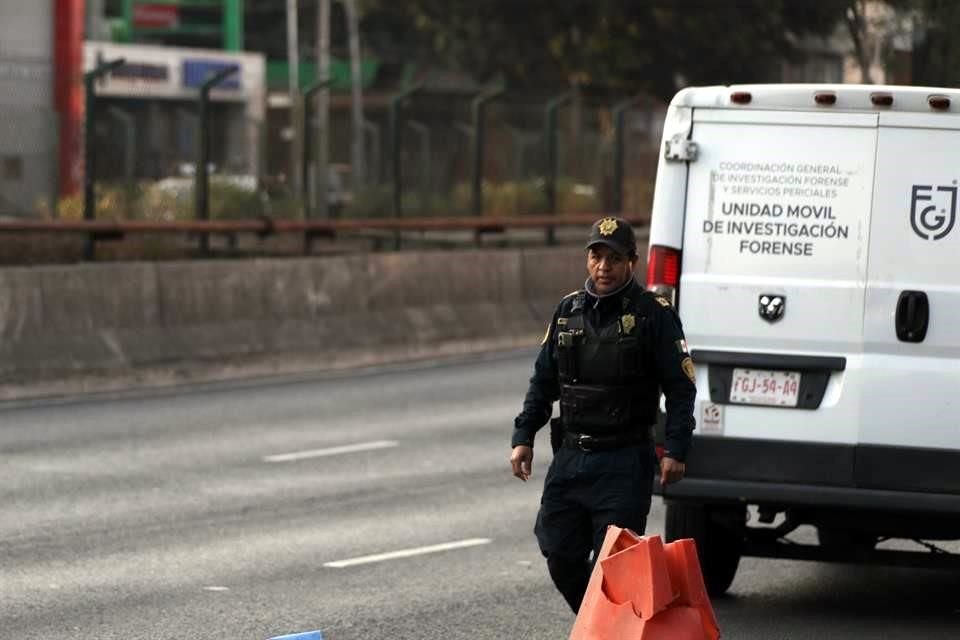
x: 718, y: 532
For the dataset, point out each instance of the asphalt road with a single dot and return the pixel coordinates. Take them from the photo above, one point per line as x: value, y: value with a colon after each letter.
x: 214, y: 512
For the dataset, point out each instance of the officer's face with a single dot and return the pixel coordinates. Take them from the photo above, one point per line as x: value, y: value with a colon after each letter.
x: 608, y: 269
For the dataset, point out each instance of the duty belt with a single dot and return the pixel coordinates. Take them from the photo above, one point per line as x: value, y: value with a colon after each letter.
x: 587, y: 442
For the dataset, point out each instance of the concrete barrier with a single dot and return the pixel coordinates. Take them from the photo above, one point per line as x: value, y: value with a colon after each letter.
x: 106, y: 326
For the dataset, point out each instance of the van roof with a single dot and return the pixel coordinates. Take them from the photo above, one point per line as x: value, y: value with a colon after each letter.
x: 846, y: 97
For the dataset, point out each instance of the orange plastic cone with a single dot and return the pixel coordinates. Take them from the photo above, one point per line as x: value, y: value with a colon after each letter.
x: 639, y: 574
x: 687, y: 578
x: 641, y: 589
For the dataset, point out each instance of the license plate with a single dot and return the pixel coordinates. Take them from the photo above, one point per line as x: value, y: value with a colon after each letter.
x: 770, y: 388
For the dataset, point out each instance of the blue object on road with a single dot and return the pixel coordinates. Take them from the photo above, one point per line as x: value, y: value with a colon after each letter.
x: 306, y: 635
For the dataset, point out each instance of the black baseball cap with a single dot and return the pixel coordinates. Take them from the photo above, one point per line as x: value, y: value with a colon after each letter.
x: 616, y: 233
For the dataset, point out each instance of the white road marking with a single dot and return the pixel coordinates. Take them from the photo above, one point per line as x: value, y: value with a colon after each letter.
x: 407, y: 553
x: 216, y: 588
x: 331, y: 451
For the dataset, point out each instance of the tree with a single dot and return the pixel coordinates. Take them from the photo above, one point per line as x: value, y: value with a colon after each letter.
x: 936, y: 53
x: 856, y: 22
x: 873, y: 27
x: 630, y: 46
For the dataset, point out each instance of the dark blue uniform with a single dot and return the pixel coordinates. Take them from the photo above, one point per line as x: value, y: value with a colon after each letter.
x: 606, y: 359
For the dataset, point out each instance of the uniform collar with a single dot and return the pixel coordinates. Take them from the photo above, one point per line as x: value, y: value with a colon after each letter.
x: 594, y: 299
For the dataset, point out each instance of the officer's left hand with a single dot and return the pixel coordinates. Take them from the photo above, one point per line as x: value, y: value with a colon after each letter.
x: 671, y: 470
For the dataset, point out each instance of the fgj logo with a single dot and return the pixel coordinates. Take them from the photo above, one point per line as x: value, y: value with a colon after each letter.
x: 933, y: 222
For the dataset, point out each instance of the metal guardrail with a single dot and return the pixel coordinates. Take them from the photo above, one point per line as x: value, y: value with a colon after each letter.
x: 103, y: 230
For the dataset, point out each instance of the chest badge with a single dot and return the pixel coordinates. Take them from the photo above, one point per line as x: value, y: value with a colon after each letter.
x: 627, y: 323
x: 772, y: 306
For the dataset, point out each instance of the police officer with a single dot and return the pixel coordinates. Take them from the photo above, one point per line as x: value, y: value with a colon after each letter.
x: 607, y: 354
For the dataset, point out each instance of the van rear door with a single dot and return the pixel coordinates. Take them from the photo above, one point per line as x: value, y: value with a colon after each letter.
x: 911, y: 403
x: 774, y: 267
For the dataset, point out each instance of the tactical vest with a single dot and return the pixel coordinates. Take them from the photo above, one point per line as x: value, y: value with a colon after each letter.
x: 607, y: 381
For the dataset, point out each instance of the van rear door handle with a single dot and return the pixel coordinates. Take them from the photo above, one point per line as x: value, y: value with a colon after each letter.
x: 913, y: 316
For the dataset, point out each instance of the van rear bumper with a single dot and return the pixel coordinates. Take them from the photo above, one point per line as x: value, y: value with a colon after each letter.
x: 800, y: 495
x: 808, y: 473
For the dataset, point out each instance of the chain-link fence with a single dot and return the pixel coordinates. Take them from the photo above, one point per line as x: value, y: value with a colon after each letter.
x: 146, y: 156
x: 146, y: 151
x: 437, y: 157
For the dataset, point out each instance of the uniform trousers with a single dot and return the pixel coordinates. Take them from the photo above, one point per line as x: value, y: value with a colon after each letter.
x: 584, y: 492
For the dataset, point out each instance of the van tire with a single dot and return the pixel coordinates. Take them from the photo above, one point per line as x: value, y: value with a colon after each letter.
x: 718, y: 537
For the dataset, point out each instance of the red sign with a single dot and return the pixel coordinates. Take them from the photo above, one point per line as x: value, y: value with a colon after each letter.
x: 156, y: 16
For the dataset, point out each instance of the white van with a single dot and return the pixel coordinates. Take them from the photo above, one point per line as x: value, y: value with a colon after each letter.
x: 807, y: 235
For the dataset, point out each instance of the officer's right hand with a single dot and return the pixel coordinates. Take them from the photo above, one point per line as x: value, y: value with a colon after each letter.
x: 521, y: 460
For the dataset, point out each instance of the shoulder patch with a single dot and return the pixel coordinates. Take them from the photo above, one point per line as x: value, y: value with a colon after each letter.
x: 688, y: 368
x: 663, y: 301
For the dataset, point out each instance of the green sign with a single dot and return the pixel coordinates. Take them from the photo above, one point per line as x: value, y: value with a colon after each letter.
x: 279, y: 78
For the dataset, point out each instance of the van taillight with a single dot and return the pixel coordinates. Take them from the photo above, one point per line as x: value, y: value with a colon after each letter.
x: 663, y: 271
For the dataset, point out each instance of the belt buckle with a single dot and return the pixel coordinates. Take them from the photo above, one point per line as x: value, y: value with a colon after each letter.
x: 584, y: 440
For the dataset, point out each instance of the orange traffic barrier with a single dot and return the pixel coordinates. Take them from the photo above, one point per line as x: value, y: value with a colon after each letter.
x: 642, y: 589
